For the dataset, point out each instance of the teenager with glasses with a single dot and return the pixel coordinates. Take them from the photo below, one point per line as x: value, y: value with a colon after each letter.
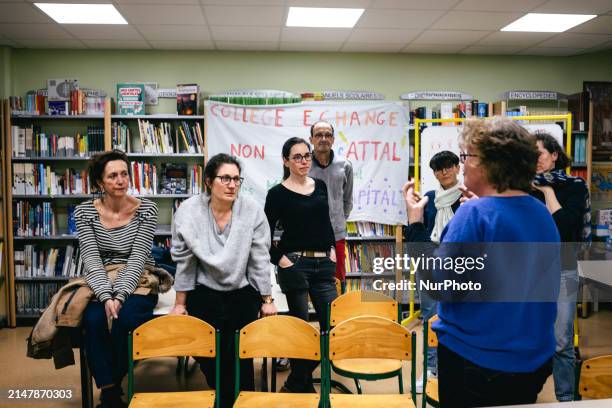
x: 221, y: 242
x: 305, y: 255
x: 440, y: 208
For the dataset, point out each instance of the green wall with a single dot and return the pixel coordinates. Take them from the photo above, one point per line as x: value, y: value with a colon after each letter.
x: 5, y: 71
x: 485, y: 77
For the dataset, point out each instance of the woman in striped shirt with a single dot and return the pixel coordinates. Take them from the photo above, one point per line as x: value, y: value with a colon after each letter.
x: 115, y: 232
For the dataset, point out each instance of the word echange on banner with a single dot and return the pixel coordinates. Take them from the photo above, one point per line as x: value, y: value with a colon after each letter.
x: 372, y: 136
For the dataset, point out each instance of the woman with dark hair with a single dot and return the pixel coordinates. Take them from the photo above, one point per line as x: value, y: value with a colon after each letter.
x: 305, y: 255
x: 495, y: 345
x: 567, y: 199
x: 115, y: 235
x: 221, y: 242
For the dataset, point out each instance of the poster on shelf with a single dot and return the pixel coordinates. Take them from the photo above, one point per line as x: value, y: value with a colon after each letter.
x: 435, y: 139
x: 372, y: 135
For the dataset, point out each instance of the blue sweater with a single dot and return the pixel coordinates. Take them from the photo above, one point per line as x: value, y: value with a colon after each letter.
x: 508, y: 336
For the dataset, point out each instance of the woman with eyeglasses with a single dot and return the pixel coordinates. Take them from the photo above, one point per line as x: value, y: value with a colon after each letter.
x: 495, y: 345
x: 221, y: 242
x: 305, y: 255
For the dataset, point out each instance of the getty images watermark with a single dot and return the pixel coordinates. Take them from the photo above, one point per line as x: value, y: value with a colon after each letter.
x: 457, y: 264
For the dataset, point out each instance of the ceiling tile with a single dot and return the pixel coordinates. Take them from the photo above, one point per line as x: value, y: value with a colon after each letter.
x: 492, y: 50
x: 117, y: 44
x: 310, y: 46
x: 34, y: 32
x: 244, y: 2
x: 103, y: 32
x: 511, y: 38
x: 449, y: 37
x: 523, y: 6
x: 382, y: 36
x: 245, y: 16
x: 552, y: 51
x: 162, y: 14
x: 598, y: 25
x: 247, y: 46
x: 329, y: 3
x: 369, y: 47
x: 165, y: 2
x: 182, y: 45
x: 433, y: 49
x: 174, y: 32
x: 22, y: 13
x: 575, y: 40
x: 475, y: 20
x: 246, y: 34
x: 413, y: 4
x: 398, y: 18
x: 320, y: 35
x: 51, y: 43
x: 575, y: 7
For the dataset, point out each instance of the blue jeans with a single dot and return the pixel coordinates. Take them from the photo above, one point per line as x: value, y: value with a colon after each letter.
x: 429, y: 307
x: 107, y: 351
x: 564, y: 358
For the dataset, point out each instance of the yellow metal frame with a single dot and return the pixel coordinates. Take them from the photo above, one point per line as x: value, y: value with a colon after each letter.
x: 417, y: 157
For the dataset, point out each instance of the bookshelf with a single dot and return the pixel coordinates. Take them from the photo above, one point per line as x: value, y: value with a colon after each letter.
x: 4, y: 298
x: 29, y: 290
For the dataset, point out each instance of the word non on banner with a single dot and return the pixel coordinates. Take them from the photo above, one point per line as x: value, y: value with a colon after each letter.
x: 371, y: 135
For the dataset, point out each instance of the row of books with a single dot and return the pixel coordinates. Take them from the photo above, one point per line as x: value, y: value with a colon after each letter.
x: 40, y: 179
x: 36, y: 103
x: 582, y: 173
x: 35, y: 261
x: 159, y: 137
x: 360, y: 256
x: 30, y: 141
x: 580, y: 142
x: 369, y: 229
x: 34, y: 219
x: 177, y: 178
x: 120, y: 136
x: 33, y: 298
x: 446, y: 110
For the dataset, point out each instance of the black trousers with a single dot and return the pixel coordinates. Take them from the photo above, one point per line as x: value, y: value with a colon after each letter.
x: 314, y: 276
x: 463, y: 384
x: 228, y: 312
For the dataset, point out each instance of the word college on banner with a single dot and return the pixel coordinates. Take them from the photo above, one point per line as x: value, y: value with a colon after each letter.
x: 371, y: 135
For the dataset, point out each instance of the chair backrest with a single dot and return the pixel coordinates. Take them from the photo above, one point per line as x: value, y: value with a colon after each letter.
x: 279, y: 336
x: 370, y: 337
x: 596, y: 378
x: 432, y: 338
x: 173, y: 336
x: 360, y: 303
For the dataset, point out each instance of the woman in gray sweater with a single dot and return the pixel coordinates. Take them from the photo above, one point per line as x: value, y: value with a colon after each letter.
x: 221, y: 242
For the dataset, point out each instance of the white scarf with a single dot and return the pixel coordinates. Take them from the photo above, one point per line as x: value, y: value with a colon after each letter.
x: 443, y: 202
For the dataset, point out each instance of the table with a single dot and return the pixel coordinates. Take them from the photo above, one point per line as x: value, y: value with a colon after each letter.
x: 596, y: 275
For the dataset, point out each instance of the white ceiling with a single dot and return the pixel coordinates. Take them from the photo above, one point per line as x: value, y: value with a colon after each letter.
x: 411, y: 26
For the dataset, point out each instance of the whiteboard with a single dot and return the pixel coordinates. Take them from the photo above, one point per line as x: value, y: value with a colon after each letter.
x: 435, y: 139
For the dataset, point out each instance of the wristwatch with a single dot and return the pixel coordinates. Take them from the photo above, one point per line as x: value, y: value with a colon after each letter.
x: 267, y: 299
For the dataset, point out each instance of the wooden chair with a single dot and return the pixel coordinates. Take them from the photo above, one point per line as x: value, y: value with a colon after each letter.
x: 430, y: 385
x: 369, y: 337
x: 173, y: 336
x: 595, y: 377
x: 360, y: 303
x: 276, y: 337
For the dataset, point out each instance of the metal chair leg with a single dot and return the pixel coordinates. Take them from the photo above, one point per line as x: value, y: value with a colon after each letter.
x: 358, y: 385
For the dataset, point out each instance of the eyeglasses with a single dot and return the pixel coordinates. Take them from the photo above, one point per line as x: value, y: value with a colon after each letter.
x: 444, y: 170
x: 464, y: 156
x: 298, y: 157
x: 226, y: 180
x: 327, y: 135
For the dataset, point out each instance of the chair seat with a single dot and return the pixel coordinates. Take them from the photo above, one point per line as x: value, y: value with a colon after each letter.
x: 371, y: 400
x: 186, y: 399
x: 276, y: 400
x: 368, y: 365
x: 431, y: 389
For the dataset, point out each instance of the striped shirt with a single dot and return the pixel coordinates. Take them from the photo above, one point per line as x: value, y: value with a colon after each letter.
x: 129, y: 244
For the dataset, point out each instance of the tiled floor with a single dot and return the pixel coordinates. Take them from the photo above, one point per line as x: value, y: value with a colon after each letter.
x: 19, y: 372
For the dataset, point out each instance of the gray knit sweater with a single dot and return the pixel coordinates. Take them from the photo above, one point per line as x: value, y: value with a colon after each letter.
x: 243, y: 259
